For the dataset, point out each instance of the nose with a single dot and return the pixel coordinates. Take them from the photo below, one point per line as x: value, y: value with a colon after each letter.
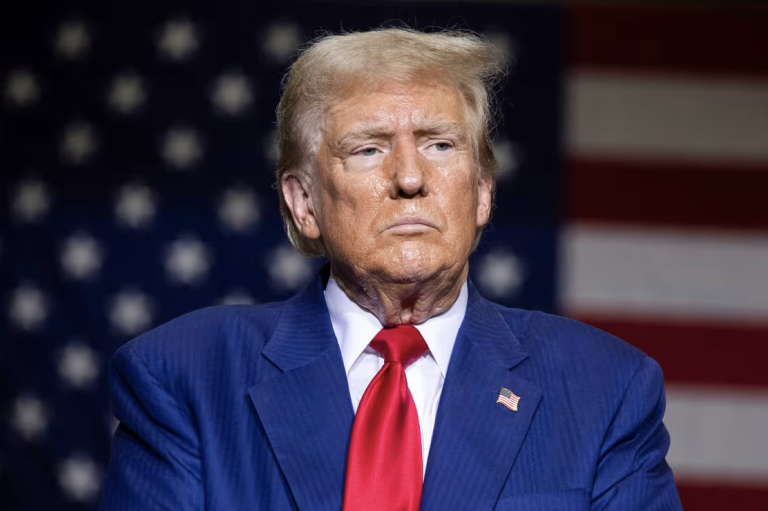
x: 410, y: 171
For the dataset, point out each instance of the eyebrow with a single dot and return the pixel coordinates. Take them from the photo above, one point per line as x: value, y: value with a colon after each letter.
x: 364, y: 132
x: 380, y: 130
x: 440, y: 127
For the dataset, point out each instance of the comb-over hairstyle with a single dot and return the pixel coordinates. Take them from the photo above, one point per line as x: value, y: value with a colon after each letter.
x: 333, y: 64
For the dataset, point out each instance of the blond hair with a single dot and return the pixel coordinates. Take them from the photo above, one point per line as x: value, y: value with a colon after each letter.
x: 332, y: 63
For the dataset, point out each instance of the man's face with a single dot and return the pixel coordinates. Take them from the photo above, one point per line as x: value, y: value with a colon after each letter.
x: 397, y: 193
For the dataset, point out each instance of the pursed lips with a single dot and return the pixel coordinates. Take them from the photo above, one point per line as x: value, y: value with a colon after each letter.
x: 410, y: 225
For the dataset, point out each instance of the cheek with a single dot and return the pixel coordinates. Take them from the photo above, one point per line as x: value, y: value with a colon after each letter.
x: 368, y: 190
x: 353, y: 204
x: 456, y: 191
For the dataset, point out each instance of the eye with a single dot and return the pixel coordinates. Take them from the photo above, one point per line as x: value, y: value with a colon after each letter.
x: 370, y: 151
x: 442, y: 146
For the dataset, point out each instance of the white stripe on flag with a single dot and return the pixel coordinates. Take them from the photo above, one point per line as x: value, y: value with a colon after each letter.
x: 627, y: 115
x: 717, y: 434
x: 664, y: 273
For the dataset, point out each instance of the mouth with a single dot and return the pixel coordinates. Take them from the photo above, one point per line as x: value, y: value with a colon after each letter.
x: 410, y: 225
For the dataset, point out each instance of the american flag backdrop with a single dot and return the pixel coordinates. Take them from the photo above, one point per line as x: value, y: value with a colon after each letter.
x: 136, y: 173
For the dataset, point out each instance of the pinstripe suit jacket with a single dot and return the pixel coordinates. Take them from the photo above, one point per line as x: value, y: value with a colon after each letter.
x: 248, y: 408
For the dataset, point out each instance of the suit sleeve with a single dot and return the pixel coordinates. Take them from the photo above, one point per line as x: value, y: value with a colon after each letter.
x: 155, y: 460
x: 632, y: 472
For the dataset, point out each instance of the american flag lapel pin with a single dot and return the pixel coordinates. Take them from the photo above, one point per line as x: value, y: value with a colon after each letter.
x: 508, y: 399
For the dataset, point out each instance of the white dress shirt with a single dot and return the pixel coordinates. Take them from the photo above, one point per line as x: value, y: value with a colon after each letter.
x: 355, y: 327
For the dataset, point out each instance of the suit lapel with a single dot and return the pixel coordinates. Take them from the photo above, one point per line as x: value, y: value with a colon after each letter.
x: 476, y: 440
x: 306, y: 411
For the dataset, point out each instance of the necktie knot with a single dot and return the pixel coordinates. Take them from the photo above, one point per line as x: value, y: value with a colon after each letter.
x: 402, y: 344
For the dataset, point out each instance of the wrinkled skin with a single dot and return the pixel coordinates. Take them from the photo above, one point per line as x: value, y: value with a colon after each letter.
x: 396, y: 198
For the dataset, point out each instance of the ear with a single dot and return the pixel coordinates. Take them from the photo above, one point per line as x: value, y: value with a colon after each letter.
x: 484, y: 200
x: 296, y: 193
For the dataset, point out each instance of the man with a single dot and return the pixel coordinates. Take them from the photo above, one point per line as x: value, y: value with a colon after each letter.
x: 388, y: 383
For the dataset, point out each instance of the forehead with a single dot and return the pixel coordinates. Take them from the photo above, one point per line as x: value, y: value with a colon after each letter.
x: 396, y: 106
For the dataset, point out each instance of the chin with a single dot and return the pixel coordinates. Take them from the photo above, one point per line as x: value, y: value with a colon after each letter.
x: 412, y: 263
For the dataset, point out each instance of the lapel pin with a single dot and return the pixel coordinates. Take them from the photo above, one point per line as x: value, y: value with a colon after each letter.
x: 508, y: 399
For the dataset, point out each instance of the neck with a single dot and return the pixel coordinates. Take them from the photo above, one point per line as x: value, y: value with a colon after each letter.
x: 398, y: 303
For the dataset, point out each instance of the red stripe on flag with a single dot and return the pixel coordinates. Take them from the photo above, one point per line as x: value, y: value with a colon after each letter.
x: 668, y: 193
x: 712, y: 497
x: 670, y: 39
x: 696, y: 353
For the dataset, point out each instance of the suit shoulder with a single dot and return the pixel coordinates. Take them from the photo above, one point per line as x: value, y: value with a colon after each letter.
x: 570, y: 344
x: 203, y: 332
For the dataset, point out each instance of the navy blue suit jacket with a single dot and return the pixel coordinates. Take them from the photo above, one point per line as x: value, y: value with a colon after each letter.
x: 248, y: 408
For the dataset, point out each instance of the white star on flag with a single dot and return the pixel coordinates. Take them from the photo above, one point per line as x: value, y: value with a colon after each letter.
x: 28, y: 307
x: 78, y: 365
x: 502, y: 41
x: 72, y: 40
x: 288, y: 269
x: 269, y: 147
x: 81, y: 256
x: 179, y: 39
x: 500, y: 274
x: 30, y: 417
x: 182, y: 148
x: 22, y: 89
x: 135, y: 205
x: 506, y: 154
x: 78, y: 143
x: 130, y: 313
x: 237, y: 297
x: 281, y: 41
x: 126, y: 94
x: 238, y: 209
x: 232, y: 93
x: 80, y: 478
x: 187, y: 260
x: 30, y: 202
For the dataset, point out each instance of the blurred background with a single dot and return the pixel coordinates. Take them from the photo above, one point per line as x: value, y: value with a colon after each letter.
x: 136, y: 178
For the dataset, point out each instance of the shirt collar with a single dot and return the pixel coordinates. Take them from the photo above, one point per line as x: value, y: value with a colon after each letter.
x: 355, y: 327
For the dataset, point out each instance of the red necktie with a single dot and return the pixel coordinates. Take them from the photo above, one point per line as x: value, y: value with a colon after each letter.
x: 384, y: 466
